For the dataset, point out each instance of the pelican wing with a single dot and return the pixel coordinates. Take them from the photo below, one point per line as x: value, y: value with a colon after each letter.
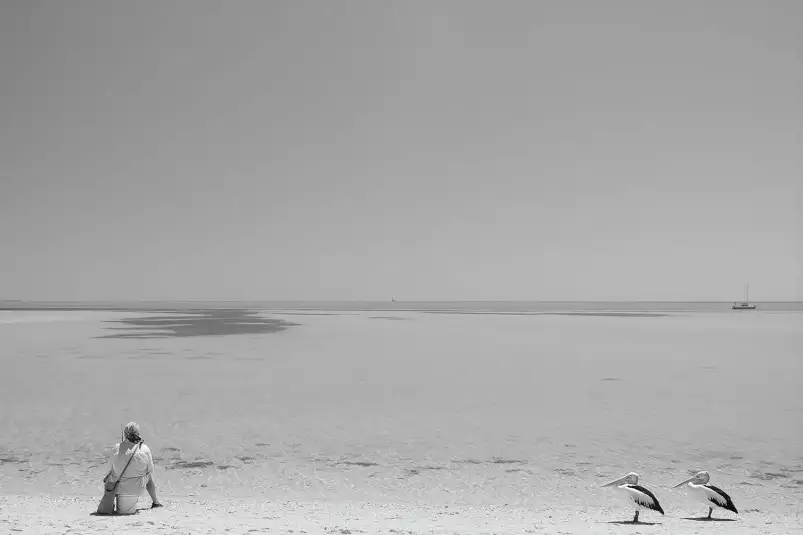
x: 720, y: 498
x: 645, y: 498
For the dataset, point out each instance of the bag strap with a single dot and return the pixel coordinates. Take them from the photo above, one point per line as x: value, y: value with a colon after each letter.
x: 126, y: 466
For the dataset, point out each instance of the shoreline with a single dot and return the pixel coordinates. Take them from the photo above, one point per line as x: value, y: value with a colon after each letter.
x: 56, y: 514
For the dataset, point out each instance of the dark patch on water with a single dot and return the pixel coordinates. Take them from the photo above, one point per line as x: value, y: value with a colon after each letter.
x: 364, y: 464
x: 246, y: 459
x: 601, y: 314
x: 170, y: 448
x: 610, y: 379
x: 468, y: 461
x: 388, y: 318
x: 308, y: 314
x: 262, y: 444
x: 224, y: 466
x: 564, y: 472
x: 31, y: 473
x: 610, y: 314
x: 768, y: 476
x: 418, y: 469
x: 747, y: 483
x: 199, y: 357
x: 185, y: 465
x: 499, y: 460
x: 11, y: 459
x: 736, y: 457
x: 786, y: 469
x: 91, y: 357
x: 205, y: 322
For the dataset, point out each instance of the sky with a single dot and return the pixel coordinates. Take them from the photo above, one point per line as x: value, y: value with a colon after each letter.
x: 358, y: 150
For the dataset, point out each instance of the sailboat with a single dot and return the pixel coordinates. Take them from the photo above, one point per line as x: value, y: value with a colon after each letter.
x: 744, y: 305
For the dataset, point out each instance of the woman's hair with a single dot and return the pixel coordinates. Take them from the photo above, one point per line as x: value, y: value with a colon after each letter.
x: 131, y: 433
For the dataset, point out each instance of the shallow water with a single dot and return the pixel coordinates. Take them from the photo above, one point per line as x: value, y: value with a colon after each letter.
x: 410, y: 405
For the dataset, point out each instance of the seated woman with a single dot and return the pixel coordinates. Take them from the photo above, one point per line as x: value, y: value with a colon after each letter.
x: 138, y: 475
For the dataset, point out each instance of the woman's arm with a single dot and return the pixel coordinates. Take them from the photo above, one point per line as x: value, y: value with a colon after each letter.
x: 150, y: 463
x: 150, y: 486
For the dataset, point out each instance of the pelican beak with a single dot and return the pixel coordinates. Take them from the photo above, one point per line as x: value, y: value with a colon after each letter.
x: 684, y: 482
x: 615, y: 483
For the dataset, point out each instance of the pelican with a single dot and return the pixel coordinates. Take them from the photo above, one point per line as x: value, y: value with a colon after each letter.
x: 630, y: 489
x: 708, y: 494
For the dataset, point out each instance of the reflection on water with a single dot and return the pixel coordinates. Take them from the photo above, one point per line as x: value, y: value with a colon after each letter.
x: 208, y: 322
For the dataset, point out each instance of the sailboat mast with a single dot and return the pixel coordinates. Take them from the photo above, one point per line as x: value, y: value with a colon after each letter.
x: 745, y: 305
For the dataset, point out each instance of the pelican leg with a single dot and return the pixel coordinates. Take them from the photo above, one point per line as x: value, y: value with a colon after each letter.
x: 710, y: 510
x: 635, y: 518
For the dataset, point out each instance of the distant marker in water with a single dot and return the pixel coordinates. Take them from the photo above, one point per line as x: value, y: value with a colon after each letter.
x: 708, y: 494
x: 628, y: 487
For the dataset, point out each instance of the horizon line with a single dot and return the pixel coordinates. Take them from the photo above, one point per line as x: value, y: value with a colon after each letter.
x: 39, y: 301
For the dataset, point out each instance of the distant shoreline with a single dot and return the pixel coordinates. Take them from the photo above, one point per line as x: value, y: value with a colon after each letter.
x: 502, y: 307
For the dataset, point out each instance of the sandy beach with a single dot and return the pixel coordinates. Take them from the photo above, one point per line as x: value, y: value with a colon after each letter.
x: 54, y: 515
x: 418, y: 421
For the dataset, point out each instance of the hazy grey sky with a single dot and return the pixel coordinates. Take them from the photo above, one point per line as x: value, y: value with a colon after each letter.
x: 427, y: 150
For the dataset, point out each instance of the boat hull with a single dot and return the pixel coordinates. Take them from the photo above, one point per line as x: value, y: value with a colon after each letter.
x: 743, y: 307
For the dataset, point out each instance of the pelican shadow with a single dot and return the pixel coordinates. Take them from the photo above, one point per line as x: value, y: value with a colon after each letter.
x: 631, y: 523
x: 706, y: 519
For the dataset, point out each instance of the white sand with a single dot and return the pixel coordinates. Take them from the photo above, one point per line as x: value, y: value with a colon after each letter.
x: 49, y: 515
